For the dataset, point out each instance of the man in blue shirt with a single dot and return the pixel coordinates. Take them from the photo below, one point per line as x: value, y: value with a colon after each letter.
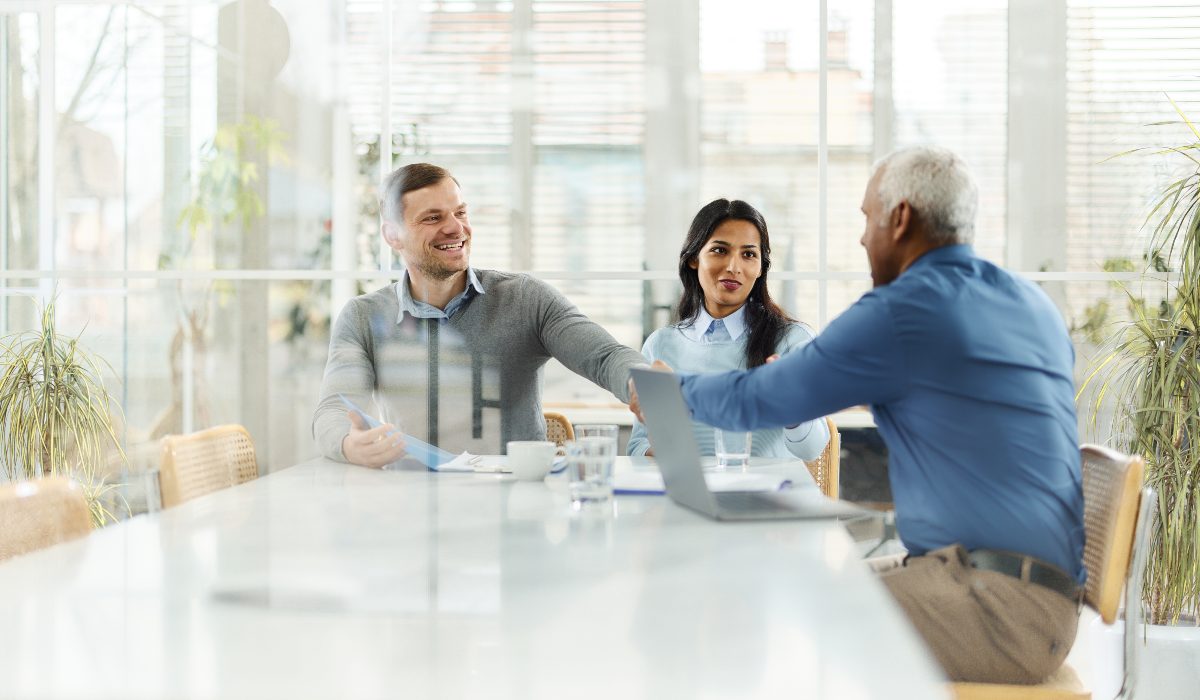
x: 968, y: 371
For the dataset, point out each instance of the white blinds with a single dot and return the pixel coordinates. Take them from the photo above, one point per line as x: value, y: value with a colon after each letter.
x: 1124, y: 58
x: 498, y: 90
x: 588, y: 124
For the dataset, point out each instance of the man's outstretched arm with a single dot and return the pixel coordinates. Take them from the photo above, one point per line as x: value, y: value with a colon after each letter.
x: 857, y: 360
x: 583, y: 346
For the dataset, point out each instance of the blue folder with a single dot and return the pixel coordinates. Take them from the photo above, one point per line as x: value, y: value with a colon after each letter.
x: 429, y: 455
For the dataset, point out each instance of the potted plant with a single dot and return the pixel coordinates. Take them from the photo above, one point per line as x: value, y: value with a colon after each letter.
x: 55, y: 413
x: 1149, y: 369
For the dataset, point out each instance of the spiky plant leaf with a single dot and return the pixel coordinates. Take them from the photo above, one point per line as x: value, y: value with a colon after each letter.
x: 56, y: 417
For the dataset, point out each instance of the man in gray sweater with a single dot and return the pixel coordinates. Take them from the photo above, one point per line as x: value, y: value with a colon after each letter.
x: 439, y: 351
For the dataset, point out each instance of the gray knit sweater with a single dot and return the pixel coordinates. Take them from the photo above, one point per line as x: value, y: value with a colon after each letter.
x: 482, y: 366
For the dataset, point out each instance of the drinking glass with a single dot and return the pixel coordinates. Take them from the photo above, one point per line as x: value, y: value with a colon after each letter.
x: 590, y: 459
x: 603, y: 430
x: 139, y: 493
x: 733, y: 449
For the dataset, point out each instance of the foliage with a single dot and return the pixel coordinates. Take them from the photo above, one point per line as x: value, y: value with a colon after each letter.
x: 1150, y: 368
x: 224, y: 191
x: 1097, y: 321
x: 55, y: 413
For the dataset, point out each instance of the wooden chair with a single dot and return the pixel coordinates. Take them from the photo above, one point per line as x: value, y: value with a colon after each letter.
x: 558, y: 428
x: 41, y: 512
x: 826, y: 470
x: 205, y: 461
x: 1117, y: 514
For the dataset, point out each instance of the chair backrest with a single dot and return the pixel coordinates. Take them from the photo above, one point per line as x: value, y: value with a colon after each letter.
x: 205, y: 461
x: 826, y: 470
x: 41, y: 512
x: 558, y: 428
x: 1111, y: 495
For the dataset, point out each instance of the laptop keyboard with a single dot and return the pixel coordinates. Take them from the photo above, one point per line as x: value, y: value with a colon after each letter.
x: 745, y: 500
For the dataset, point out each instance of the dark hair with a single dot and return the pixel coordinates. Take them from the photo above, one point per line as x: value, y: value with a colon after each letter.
x: 767, y: 322
x: 415, y: 176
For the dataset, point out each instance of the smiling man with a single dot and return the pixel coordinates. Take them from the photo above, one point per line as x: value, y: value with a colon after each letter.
x: 450, y: 354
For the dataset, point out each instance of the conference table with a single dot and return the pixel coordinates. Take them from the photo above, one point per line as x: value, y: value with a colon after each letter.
x: 325, y: 580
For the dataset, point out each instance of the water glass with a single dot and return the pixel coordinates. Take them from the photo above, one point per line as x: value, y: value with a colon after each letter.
x: 590, y: 460
x: 140, y: 492
x: 733, y: 449
x: 602, y: 430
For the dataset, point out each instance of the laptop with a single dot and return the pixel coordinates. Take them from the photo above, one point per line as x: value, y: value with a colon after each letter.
x: 669, y: 426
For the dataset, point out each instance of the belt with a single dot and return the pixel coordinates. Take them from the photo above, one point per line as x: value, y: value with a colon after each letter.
x: 1027, y: 568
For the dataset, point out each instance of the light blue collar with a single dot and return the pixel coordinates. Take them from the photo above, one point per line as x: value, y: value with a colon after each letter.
x: 735, y: 323
x: 419, y: 309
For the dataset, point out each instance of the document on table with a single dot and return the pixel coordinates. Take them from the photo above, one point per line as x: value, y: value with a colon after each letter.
x: 651, y: 483
x: 490, y: 464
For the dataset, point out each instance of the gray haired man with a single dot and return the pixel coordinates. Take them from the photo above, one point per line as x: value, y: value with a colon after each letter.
x: 447, y: 345
x: 969, y: 373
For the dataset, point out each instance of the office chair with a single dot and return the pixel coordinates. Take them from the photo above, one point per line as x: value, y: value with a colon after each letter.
x: 558, y: 428
x: 1117, y: 514
x: 205, y: 461
x: 826, y: 469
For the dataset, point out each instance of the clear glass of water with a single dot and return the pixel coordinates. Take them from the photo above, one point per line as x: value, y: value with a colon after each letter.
x: 604, y: 430
x: 733, y: 449
x: 590, y: 459
x: 139, y: 493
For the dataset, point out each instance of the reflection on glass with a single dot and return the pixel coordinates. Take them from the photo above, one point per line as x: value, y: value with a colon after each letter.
x: 20, y: 87
x: 950, y: 86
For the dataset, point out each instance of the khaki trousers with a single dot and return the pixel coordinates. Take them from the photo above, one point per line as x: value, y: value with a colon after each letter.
x: 982, y: 626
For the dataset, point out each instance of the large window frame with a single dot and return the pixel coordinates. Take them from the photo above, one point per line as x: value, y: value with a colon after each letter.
x: 1036, y: 206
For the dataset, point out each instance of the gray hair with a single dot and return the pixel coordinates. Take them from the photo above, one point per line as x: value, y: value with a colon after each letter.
x: 938, y: 186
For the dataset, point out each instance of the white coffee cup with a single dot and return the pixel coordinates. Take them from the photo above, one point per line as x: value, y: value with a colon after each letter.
x: 530, y: 460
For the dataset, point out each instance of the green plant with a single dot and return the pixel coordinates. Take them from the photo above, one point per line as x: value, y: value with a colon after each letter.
x: 1150, y: 369
x: 224, y: 190
x: 55, y: 413
x: 1096, y: 319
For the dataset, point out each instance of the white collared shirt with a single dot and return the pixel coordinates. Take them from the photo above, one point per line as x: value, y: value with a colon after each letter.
x: 735, y: 323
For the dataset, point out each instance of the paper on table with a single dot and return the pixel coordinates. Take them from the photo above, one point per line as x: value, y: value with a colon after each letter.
x: 490, y: 464
x: 465, y: 462
x: 651, y: 483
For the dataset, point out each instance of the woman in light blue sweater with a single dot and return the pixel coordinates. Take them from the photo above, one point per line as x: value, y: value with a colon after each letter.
x: 727, y: 321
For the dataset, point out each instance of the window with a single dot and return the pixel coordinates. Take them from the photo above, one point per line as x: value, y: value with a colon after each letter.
x: 199, y: 180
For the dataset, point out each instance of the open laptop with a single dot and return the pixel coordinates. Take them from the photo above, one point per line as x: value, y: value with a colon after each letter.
x: 670, y: 429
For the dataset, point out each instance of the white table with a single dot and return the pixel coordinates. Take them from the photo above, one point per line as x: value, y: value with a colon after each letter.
x: 331, y: 581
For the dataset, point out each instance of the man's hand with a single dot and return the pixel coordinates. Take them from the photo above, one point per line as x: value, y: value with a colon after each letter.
x: 633, y: 397
x: 371, y: 447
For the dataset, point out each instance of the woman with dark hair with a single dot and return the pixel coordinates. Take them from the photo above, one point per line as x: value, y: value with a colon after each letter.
x: 727, y: 320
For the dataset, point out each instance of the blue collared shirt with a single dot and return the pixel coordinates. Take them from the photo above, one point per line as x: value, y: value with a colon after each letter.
x: 419, y: 309
x: 969, y: 373
x: 735, y: 325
